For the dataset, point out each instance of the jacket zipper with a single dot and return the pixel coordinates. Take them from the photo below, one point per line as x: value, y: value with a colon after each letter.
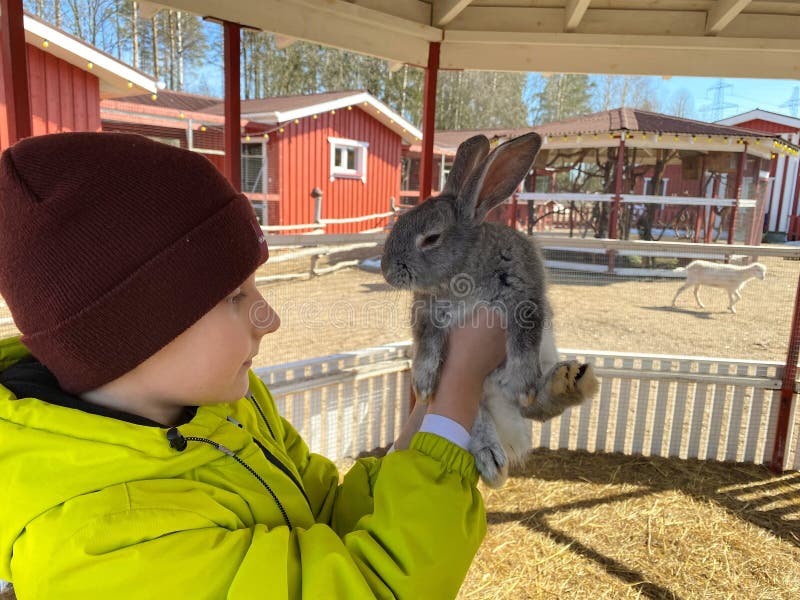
x: 271, y: 457
x: 179, y: 442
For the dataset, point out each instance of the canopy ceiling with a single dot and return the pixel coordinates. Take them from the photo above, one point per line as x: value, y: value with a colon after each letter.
x: 710, y: 38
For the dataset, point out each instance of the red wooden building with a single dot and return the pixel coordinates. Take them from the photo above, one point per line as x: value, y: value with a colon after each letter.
x: 347, y: 144
x: 67, y: 80
x: 782, y: 218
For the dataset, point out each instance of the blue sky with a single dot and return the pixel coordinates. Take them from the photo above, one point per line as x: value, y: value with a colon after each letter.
x: 748, y: 94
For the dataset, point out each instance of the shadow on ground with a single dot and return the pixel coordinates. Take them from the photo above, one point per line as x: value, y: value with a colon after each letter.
x: 748, y: 492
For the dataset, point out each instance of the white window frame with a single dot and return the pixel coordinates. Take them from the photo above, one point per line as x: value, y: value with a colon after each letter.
x: 360, y: 172
x: 664, y: 184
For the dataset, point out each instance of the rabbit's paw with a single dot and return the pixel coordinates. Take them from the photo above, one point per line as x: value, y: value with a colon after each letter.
x: 492, y: 463
x: 568, y: 383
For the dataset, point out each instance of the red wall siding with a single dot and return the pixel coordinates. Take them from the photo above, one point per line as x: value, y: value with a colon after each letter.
x: 304, y: 163
x: 766, y: 126
x: 62, y: 97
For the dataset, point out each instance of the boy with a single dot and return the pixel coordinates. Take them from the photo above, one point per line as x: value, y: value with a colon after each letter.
x: 140, y: 457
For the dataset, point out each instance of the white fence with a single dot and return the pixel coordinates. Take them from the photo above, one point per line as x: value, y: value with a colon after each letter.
x: 651, y: 405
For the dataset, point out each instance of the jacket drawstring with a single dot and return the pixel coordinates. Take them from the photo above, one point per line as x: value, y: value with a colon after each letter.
x: 178, y: 442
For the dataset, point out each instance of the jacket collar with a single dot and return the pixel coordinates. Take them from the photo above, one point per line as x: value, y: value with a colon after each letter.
x: 25, y: 377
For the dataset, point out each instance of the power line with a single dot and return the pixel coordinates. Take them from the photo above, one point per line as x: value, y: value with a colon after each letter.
x: 716, y: 109
x: 793, y: 103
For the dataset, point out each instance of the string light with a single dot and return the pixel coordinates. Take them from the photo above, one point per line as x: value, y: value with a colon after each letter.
x: 89, y: 65
x: 203, y: 128
x: 154, y: 97
x: 130, y: 84
x: 296, y: 121
x: 266, y: 136
x: 45, y: 44
x: 314, y: 117
x: 333, y: 112
x: 247, y: 138
x: 183, y: 116
x: 281, y: 130
x: 349, y: 108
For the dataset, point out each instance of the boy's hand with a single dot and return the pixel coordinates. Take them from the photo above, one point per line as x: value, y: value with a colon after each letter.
x: 474, y: 350
x: 477, y: 347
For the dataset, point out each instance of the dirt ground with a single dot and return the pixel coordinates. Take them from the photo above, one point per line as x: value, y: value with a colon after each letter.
x: 353, y: 308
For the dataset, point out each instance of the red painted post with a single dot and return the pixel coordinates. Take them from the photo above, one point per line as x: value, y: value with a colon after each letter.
x: 793, y: 214
x: 773, y: 169
x: 781, y: 193
x: 713, y: 211
x: 428, y: 120
x: 614, y: 216
x: 513, y: 222
x: 233, y: 137
x: 787, y: 389
x: 738, y: 193
x: 15, y: 70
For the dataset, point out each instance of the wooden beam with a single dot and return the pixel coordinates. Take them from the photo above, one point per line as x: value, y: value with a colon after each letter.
x: 445, y: 11
x: 574, y: 12
x: 15, y: 71
x: 722, y: 13
x: 723, y: 56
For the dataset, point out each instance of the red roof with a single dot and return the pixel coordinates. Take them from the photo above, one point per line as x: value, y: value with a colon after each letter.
x: 177, y: 101
x: 609, y: 121
x: 285, y: 103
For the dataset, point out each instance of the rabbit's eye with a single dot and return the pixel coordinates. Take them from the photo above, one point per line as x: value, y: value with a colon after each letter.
x: 429, y: 240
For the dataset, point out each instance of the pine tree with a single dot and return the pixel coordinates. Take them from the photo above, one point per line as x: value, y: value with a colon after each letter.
x: 563, y: 96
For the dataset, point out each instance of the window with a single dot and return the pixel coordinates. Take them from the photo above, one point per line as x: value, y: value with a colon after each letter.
x: 253, y: 163
x: 254, y: 167
x: 648, y: 187
x: 348, y: 159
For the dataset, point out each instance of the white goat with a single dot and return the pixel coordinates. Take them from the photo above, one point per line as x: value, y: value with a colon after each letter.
x: 729, y: 277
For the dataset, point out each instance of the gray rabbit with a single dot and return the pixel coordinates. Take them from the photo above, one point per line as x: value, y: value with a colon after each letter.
x: 457, y: 264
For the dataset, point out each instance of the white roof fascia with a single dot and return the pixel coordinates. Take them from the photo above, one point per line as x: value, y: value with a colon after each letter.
x: 390, y: 118
x: 762, y: 115
x: 111, y: 72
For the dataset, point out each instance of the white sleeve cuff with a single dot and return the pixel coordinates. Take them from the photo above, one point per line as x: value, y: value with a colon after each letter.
x: 447, y: 428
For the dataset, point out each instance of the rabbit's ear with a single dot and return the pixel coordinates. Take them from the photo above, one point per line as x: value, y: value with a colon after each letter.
x: 499, y: 175
x: 469, y: 154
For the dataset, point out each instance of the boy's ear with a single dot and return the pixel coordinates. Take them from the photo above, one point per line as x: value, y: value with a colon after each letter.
x: 498, y: 176
x: 468, y: 155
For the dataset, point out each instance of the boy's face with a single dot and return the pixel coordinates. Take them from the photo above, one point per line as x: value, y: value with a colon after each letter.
x: 206, y: 364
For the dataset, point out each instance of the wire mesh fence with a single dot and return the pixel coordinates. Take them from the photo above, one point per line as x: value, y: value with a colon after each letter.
x: 606, y: 296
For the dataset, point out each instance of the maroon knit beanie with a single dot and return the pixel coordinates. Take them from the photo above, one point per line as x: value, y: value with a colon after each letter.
x: 111, y: 245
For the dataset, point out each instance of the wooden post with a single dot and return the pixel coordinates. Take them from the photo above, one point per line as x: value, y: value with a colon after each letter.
x: 773, y: 169
x: 428, y: 120
x: 233, y: 137
x: 712, y: 212
x: 15, y: 71
x: 316, y: 194
x: 737, y: 193
x: 513, y: 223
x: 787, y: 389
x: 614, y: 216
x: 793, y: 232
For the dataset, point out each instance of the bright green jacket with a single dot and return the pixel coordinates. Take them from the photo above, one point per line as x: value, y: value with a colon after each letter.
x: 96, y: 507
